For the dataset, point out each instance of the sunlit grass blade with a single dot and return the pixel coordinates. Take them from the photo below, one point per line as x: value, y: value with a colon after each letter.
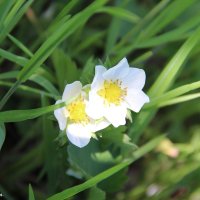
x: 163, y: 82
x: 173, y: 93
x: 21, y: 115
x: 5, y: 6
x: 169, y: 73
x: 56, y: 38
x: 51, y: 43
x: 179, y: 99
x: 100, y: 177
x: 120, y: 13
x: 15, y: 14
x: 30, y: 193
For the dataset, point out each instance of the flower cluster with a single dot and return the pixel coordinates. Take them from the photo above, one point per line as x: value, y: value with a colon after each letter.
x: 111, y: 94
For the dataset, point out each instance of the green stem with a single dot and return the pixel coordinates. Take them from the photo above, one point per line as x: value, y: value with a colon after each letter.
x: 9, y: 93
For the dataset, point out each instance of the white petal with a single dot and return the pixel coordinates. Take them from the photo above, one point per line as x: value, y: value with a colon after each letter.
x: 116, y: 115
x: 117, y: 72
x: 61, y: 118
x: 72, y: 90
x: 136, y: 99
x: 101, y: 125
x: 95, y: 106
x: 78, y: 134
x: 135, y: 79
x: 98, y: 78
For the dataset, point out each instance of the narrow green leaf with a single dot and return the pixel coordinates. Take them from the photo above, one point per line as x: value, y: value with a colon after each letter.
x: 163, y: 82
x: 169, y: 73
x: 166, y: 17
x: 12, y: 57
x: 2, y: 134
x: 56, y: 38
x: 5, y: 5
x: 30, y: 90
x: 20, y: 45
x: 21, y: 115
x: 180, y: 99
x: 45, y: 84
x: 120, y: 13
x: 107, y: 173
x: 173, y: 93
x: 30, y: 193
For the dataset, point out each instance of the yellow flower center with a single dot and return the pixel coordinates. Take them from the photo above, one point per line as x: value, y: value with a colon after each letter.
x: 77, y: 112
x: 112, y: 92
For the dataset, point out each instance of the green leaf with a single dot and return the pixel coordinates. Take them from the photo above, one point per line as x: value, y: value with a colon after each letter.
x: 28, y: 89
x: 166, y: 17
x: 21, y: 115
x: 107, y: 173
x: 64, y: 31
x: 2, y: 134
x: 120, y: 13
x: 173, y: 93
x: 90, y: 160
x: 97, y: 194
x: 163, y: 82
x: 30, y: 193
x: 179, y: 99
x: 65, y: 67
x: 167, y: 76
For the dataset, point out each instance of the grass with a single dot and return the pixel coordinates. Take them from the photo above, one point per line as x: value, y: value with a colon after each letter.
x: 45, y: 45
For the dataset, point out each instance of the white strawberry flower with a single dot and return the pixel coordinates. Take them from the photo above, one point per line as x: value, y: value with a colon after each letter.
x: 115, y: 90
x: 73, y: 118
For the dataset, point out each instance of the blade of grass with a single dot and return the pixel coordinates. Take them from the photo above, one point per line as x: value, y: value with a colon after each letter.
x: 14, y: 16
x: 30, y: 193
x: 2, y: 134
x: 120, y: 13
x: 54, y: 40
x: 30, y: 89
x: 20, y: 45
x: 21, y: 115
x: 51, y: 43
x: 169, y: 73
x: 179, y: 99
x: 4, y: 8
x: 163, y: 82
x: 173, y: 93
x: 107, y: 173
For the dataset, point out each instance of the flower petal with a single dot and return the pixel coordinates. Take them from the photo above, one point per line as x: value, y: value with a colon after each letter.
x: 101, y: 125
x: 98, y: 78
x: 61, y: 118
x: 136, y: 99
x: 78, y: 134
x: 94, y: 107
x: 135, y: 79
x: 116, y: 115
x: 72, y: 90
x: 119, y: 71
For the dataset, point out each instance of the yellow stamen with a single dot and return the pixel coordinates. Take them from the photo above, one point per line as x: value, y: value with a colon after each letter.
x: 77, y: 112
x: 112, y: 92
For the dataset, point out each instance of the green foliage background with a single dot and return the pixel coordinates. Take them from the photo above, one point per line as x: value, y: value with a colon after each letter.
x: 46, y: 44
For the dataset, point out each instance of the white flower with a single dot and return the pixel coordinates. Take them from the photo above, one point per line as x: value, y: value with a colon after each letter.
x: 79, y: 126
x: 115, y: 90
